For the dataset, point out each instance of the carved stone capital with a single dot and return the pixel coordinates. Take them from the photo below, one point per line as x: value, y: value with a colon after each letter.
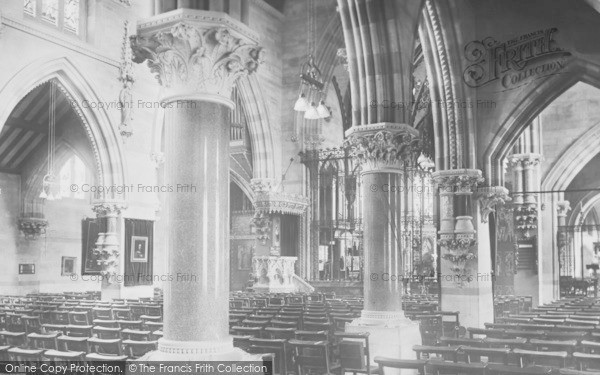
x: 462, y: 181
x: 260, y: 185
x: 384, y: 146
x: 194, y: 57
x: 562, y: 208
x: 105, y: 209
x: 527, y: 160
x: 526, y: 218
x: 489, y: 197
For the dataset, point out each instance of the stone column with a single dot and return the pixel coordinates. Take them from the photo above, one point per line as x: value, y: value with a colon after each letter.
x: 383, y: 150
x: 562, y: 208
x: 466, y: 274
x: 489, y: 200
x: 517, y: 169
x: 552, y: 217
x: 197, y: 64
x: 526, y: 183
x: 531, y: 180
x: 109, y: 247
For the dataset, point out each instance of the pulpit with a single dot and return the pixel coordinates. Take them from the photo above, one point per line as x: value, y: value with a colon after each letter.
x: 274, y: 274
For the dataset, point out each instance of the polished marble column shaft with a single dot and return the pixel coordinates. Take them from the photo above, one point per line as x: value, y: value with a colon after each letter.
x: 197, y: 170
x: 382, y: 194
x: 198, y: 57
x: 384, y: 150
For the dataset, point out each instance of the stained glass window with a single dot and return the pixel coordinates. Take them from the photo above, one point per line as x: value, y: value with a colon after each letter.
x: 50, y: 11
x: 71, y: 20
x: 63, y: 14
x: 73, y: 172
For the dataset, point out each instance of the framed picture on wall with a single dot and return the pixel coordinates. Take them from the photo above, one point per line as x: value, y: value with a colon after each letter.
x: 244, y: 254
x: 26, y: 269
x: 139, y: 249
x: 67, y: 267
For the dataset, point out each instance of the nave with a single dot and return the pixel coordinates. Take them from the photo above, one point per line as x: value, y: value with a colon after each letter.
x: 333, y: 186
x: 306, y: 333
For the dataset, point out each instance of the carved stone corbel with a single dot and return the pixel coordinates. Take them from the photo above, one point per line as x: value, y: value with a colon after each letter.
x: 489, y: 197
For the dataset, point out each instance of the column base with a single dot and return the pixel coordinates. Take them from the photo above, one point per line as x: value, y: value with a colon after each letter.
x: 181, y: 351
x: 391, y: 334
x: 108, y: 292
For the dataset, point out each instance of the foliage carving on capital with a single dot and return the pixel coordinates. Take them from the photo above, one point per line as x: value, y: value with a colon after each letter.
x: 383, y: 148
x: 198, y: 60
x: 103, y: 209
x: 563, y: 207
x: 458, y: 180
x: 489, y: 198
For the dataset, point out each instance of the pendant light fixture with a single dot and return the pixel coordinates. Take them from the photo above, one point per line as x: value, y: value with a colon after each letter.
x: 311, y: 81
x: 50, y: 189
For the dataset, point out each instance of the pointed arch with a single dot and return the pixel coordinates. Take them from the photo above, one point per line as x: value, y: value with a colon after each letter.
x: 265, y: 156
x: 529, y: 105
x: 573, y: 160
x: 103, y: 138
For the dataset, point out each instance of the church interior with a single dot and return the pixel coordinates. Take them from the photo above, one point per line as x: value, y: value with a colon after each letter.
x: 322, y: 186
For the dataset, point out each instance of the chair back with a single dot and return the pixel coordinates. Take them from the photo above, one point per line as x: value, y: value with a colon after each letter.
x: 310, y: 356
x: 136, y: 349
x: 106, y: 332
x: 32, y: 324
x: 384, y: 362
x: 280, y: 333
x: 121, y: 314
x: 532, y: 357
x: 274, y: 346
x: 105, y: 346
x: 431, y: 328
x: 135, y: 335
x: 25, y: 355
x: 79, y: 318
x: 42, y: 341
x: 354, y: 352
x: 102, y: 313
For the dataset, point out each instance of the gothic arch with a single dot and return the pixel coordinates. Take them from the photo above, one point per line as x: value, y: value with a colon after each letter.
x: 527, y: 106
x: 573, y: 160
x: 454, y: 133
x: 265, y: 157
x: 104, y: 140
x: 242, y: 184
x: 580, y: 211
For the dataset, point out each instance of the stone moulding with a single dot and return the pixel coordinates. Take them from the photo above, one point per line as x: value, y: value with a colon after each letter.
x: 284, y: 203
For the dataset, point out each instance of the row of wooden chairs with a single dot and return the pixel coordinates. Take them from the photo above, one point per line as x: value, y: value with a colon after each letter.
x: 311, y: 354
x: 439, y: 367
x: 38, y: 347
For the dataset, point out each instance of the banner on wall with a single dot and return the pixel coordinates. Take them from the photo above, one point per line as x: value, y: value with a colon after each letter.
x: 90, y: 264
x: 138, y: 252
